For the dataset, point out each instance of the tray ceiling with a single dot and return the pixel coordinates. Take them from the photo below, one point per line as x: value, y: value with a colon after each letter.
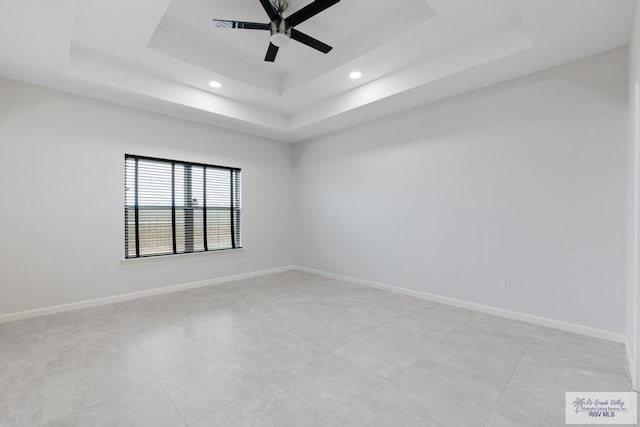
x: 160, y: 55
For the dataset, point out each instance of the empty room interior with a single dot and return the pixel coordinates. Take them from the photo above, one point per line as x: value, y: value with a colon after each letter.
x: 319, y: 213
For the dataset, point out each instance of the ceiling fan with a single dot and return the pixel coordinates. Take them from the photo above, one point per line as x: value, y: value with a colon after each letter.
x: 282, y: 29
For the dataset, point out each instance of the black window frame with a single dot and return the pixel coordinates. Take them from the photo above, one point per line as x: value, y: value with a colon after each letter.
x: 234, y: 208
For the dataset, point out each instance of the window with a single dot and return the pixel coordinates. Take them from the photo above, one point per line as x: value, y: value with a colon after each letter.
x: 174, y: 207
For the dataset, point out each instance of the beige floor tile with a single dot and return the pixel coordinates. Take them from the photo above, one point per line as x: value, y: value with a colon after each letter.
x: 272, y: 405
x: 293, y: 349
x: 208, y: 388
x: 182, y: 354
x: 334, y: 386
x: 143, y: 406
x: 395, y: 406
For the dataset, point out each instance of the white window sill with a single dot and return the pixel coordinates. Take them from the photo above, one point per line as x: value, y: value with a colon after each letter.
x: 180, y: 257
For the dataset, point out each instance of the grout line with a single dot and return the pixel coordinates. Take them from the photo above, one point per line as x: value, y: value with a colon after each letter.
x: 524, y: 352
x: 369, y: 399
x: 222, y: 408
x: 248, y: 393
x: 161, y: 385
x: 506, y: 384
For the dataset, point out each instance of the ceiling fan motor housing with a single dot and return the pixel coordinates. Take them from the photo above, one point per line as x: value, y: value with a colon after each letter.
x: 280, y: 33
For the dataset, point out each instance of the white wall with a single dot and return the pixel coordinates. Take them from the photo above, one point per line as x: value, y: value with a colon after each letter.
x: 525, y: 180
x: 633, y: 197
x: 61, y: 183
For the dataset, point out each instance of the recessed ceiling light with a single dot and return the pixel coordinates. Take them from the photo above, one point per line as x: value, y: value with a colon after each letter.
x: 355, y: 75
x: 215, y: 85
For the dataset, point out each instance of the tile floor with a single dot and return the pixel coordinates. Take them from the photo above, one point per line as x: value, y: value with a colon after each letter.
x: 293, y: 349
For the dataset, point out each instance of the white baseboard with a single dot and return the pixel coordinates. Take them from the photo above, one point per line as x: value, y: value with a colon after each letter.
x: 134, y: 295
x: 542, y: 321
x: 536, y: 320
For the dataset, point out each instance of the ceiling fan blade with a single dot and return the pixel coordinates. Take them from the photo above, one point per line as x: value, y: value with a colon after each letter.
x: 310, y: 41
x: 310, y: 11
x: 271, y: 53
x: 240, y: 24
x: 270, y: 9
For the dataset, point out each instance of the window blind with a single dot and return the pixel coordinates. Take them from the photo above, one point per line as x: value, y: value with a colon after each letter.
x: 173, y: 207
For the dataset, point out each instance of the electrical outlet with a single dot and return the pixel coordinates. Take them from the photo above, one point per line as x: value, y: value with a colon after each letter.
x: 505, y: 284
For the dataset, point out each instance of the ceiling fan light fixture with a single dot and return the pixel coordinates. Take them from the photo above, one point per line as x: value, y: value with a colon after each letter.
x: 355, y: 75
x: 215, y: 85
x: 280, y: 33
x: 280, y: 39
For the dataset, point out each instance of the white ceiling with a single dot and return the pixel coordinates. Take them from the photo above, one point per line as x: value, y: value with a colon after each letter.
x: 159, y: 55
